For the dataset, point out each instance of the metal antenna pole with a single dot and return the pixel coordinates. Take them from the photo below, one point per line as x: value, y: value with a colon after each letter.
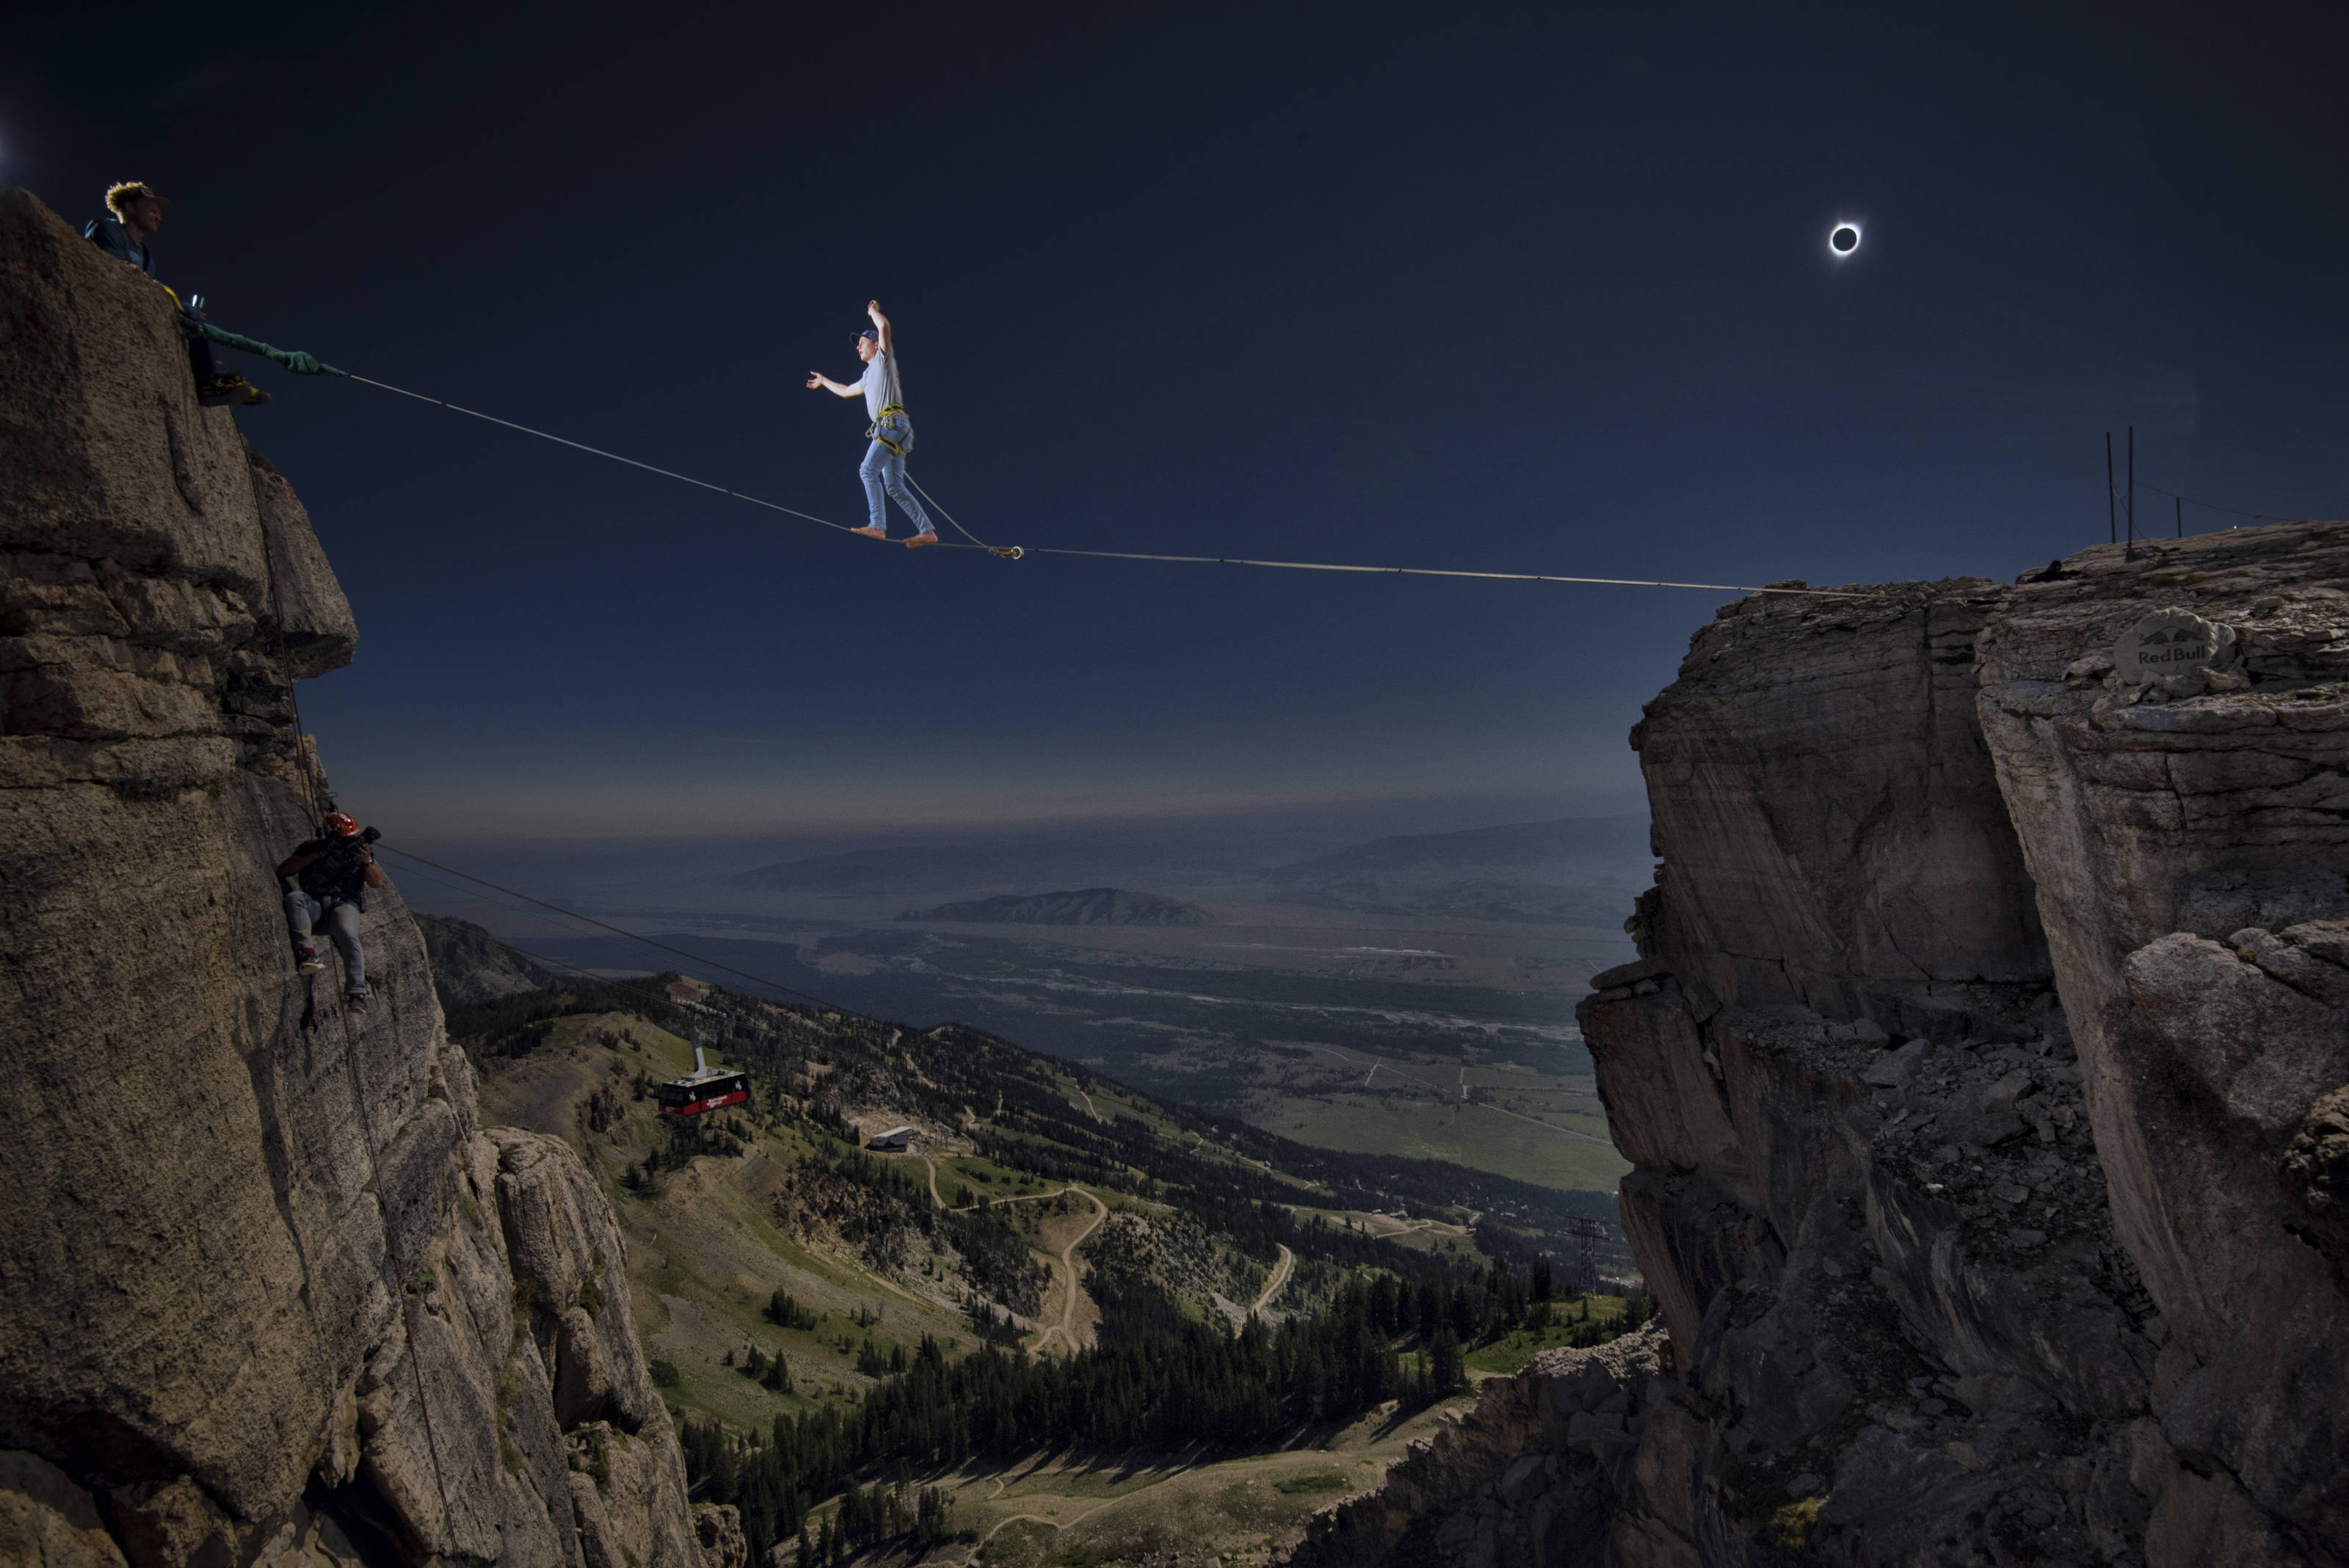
x: 2132, y: 493
x: 2179, y: 502
x: 2113, y: 524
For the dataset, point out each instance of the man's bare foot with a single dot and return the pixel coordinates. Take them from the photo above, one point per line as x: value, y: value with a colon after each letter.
x: 871, y: 533
x: 927, y: 536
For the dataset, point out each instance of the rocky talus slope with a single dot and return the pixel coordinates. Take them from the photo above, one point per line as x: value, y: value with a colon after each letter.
x: 1986, y: 1073
x: 270, y: 1293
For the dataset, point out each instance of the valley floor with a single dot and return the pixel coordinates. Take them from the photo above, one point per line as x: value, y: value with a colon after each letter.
x: 715, y: 1240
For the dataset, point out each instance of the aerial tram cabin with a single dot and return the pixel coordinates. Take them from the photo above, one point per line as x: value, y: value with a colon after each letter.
x: 706, y: 1088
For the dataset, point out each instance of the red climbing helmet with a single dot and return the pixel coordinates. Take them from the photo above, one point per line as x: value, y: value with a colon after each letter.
x: 340, y: 825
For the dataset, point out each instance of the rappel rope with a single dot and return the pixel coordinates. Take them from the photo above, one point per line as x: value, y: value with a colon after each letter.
x: 311, y: 798
x: 1018, y: 551
x: 406, y: 1334
x: 301, y: 747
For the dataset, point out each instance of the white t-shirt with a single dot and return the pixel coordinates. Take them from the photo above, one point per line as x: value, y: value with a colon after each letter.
x: 880, y: 385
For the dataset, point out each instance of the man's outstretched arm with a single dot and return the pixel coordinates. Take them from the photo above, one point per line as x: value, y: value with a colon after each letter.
x: 837, y: 388
x: 888, y: 340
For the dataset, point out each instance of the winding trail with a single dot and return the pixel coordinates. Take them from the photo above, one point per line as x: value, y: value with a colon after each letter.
x: 934, y: 1180
x: 1281, y: 1272
x: 1066, y: 1329
x: 1076, y: 1520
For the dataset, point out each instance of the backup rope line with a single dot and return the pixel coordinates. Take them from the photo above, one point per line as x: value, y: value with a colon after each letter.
x: 1016, y: 552
x: 615, y: 457
x: 1439, y: 572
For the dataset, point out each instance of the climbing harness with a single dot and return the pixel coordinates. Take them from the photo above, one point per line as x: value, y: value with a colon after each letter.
x: 891, y: 419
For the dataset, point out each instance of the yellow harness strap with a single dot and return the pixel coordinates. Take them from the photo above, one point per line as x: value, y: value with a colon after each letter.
x: 874, y: 433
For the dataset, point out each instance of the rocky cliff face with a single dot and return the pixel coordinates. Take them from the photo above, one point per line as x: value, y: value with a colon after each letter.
x: 270, y: 1293
x: 1986, y: 1072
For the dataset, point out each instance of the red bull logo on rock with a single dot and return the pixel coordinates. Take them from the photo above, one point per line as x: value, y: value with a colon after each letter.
x: 2169, y: 642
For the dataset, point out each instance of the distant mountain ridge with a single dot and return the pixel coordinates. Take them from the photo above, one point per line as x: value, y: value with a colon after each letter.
x: 1081, y: 906
x: 471, y: 966
x: 1549, y: 856
x: 1033, y: 865
x: 1512, y: 845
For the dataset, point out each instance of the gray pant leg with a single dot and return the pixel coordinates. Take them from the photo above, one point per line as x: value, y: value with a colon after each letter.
x: 301, y: 910
x: 892, y: 478
x: 343, y: 925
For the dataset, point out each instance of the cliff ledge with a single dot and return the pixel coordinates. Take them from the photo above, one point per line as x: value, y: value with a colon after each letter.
x: 1986, y: 1074
x: 270, y: 1294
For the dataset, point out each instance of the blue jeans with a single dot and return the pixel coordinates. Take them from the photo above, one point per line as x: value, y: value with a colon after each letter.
x: 885, y: 472
x: 303, y: 913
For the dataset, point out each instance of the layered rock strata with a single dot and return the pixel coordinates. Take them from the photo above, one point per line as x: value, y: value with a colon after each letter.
x: 1986, y: 1076
x: 270, y: 1293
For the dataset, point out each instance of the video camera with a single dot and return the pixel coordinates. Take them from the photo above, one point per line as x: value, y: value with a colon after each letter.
x: 338, y: 848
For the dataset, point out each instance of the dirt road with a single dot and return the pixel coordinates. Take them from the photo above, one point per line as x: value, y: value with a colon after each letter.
x: 1281, y: 1272
x: 1065, y: 1330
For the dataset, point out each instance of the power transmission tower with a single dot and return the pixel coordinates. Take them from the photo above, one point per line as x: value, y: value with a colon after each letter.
x: 1588, y: 1234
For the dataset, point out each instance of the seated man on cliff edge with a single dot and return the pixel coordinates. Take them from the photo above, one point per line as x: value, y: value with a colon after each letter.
x: 138, y: 213
x: 326, y: 879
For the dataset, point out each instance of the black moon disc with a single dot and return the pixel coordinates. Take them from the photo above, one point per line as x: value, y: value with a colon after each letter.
x: 1845, y: 239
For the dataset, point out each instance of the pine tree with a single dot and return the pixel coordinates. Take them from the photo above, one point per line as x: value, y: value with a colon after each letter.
x: 1447, y: 1369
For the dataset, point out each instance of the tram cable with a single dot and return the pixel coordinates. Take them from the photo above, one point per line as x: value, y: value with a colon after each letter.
x: 622, y: 930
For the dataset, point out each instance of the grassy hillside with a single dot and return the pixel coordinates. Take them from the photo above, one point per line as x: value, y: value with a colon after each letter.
x: 1010, y: 1319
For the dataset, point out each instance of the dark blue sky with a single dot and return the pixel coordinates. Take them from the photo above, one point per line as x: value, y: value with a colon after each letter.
x: 1501, y: 289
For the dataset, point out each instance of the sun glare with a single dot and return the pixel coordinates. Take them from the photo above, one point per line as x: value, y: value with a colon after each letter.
x: 1842, y: 240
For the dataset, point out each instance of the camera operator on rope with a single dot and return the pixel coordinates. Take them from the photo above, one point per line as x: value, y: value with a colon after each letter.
x: 326, y: 879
